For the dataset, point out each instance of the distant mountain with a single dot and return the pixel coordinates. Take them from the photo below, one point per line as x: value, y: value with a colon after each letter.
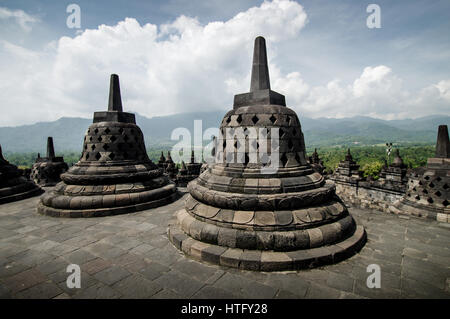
x: 68, y: 133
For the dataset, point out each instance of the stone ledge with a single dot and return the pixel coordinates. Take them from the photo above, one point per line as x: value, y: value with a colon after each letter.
x: 267, y: 260
x: 281, y: 201
x: 100, y: 212
x: 266, y: 220
x: 16, y: 197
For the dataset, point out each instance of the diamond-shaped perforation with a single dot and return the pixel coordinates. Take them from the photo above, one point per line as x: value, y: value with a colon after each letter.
x: 113, y: 138
x: 112, y: 156
x: 283, y: 159
x: 228, y: 120
x: 107, y: 131
x: 417, y: 197
x: 93, y: 147
x: 431, y: 184
x: 255, y: 119
x: 105, y: 147
x: 100, y: 139
x: 96, y: 131
x: 438, y: 194
x: 430, y: 200
x: 98, y: 156
x: 239, y: 119
x: 273, y: 119
x: 445, y: 203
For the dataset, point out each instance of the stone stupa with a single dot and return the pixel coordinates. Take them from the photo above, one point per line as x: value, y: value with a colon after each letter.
x: 188, y: 172
x: 114, y: 174
x: 46, y: 171
x: 427, y: 193
x: 239, y: 215
x: 13, y: 185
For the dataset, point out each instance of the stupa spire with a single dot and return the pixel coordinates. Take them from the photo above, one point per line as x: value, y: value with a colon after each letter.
x: 349, y: 156
x: 115, y: 100
x: 443, y: 143
x: 50, y: 148
x: 260, y: 69
x: 260, y: 92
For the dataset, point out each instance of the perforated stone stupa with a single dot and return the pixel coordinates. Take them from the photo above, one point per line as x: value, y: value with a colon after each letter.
x: 13, y: 185
x: 47, y: 170
x: 427, y: 192
x: 114, y: 174
x: 241, y: 216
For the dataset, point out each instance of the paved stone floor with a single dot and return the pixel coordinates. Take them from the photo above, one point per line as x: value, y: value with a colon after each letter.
x: 129, y: 256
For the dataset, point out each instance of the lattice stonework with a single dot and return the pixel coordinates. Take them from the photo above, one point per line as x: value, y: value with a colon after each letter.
x: 238, y: 214
x: 428, y: 189
x: 114, y: 174
x: 112, y: 143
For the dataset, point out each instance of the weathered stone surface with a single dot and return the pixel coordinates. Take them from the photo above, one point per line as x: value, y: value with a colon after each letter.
x: 13, y: 185
x: 395, y: 243
x: 47, y: 170
x: 428, y: 189
x: 114, y: 174
x: 237, y: 204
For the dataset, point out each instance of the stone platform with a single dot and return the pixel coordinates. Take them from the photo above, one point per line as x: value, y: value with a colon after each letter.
x: 130, y: 256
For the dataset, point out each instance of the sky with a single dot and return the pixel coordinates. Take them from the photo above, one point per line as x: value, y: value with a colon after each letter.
x: 181, y: 56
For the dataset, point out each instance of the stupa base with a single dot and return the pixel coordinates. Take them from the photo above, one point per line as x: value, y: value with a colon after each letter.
x: 19, y: 192
x: 98, y: 207
x: 265, y: 260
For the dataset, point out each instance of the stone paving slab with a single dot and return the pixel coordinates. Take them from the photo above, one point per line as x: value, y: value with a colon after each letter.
x: 130, y: 256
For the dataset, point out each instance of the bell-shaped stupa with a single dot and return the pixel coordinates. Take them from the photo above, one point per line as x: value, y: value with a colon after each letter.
x: 428, y: 189
x: 114, y: 174
x: 46, y: 171
x: 243, y: 213
x: 13, y: 185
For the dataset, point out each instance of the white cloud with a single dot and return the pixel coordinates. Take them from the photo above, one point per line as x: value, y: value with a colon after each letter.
x: 185, y: 66
x: 21, y: 17
x: 377, y: 92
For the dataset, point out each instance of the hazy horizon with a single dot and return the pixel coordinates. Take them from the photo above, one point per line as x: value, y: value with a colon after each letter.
x: 187, y: 56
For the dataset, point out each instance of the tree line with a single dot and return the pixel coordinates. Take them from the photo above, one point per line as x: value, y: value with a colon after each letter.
x: 370, y: 158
